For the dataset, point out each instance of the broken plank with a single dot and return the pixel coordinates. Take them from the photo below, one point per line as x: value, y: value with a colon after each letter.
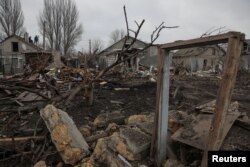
x: 9, y: 141
x: 121, y: 89
x: 8, y: 92
x: 23, y: 88
x: 19, y: 103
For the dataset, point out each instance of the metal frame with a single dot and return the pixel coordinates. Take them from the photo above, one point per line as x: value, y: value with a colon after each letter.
x: 159, y: 140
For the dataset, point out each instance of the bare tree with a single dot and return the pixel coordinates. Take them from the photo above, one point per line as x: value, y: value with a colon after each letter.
x: 11, y: 17
x: 61, y: 19
x: 88, y: 84
x: 97, y: 46
x: 116, y: 35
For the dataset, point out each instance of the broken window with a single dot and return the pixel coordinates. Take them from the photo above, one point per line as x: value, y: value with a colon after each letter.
x: 204, y: 64
x: 15, y: 47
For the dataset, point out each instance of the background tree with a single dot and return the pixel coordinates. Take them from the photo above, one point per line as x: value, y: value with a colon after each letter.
x: 116, y: 35
x: 11, y: 17
x: 62, y: 27
x: 97, y: 46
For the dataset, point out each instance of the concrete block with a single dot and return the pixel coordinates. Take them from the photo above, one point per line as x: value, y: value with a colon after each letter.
x: 64, y: 134
x: 103, y: 120
x: 136, y: 140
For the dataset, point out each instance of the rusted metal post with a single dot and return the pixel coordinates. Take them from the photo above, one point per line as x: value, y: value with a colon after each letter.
x: 214, y: 141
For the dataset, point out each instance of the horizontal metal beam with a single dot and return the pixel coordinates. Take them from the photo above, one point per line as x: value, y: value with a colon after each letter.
x: 211, y: 40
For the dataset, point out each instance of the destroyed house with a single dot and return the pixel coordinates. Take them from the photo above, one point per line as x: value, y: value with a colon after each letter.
x: 110, y: 55
x: 73, y: 61
x: 245, y: 56
x: 12, y: 57
x: 199, y: 58
x: 36, y: 61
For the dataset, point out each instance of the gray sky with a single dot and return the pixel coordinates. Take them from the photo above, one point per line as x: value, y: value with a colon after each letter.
x: 100, y: 17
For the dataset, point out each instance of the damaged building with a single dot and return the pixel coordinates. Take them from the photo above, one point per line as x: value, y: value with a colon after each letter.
x: 245, y: 57
x: 110, y: 55
x: 199, y: 58
x: 12, y: 53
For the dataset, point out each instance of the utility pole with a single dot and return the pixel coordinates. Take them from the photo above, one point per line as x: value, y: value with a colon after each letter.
x: 89, y: 47
x: 86, y: 64
x: 44, y: 24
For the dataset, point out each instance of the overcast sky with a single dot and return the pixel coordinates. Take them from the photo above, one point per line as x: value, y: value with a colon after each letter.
x: 100, y: 17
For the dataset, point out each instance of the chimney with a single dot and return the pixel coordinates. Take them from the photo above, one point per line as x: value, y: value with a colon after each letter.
x: 26, y: 37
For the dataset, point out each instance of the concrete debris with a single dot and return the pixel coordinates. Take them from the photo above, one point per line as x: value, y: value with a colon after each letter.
x: 89, y: 163
x: 135, y: 119
x: 85, y: 131
x: 103, y: 120
x: 64, y: 134
x: 121, y: 138
x: 40, y: 164
x: 118, y: 144
x: 195, y: 133
x: 136, y: 140
x: 146, y: 127
x: 103, y: 154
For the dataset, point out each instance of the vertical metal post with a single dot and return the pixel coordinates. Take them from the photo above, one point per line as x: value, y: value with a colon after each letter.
x: 162, y: 120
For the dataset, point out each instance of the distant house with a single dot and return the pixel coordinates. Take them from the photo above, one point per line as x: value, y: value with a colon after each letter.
x: 110, y: 55
x: 245, y: 56
x: 73, y: 61
x: 12, y: 57
x: 200, y: 58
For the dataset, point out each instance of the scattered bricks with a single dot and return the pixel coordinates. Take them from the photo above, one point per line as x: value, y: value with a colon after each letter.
x: 85, y: 131
x: 68, y: 140
x: 135, y: 119
x: 136, y: 140
x: 112, y: 128
x: 103, y: 120
x: 118, y: 144
x: 40, y: 164
x: 100, y: 148
x: 89, y: 163
x: 146, y: 127
x: 104, y: 155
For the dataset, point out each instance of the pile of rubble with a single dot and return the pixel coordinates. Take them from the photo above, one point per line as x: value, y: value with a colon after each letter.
x: 42, y: 125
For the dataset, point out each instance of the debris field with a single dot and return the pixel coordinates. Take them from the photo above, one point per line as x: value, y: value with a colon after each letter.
x: 38, y: 128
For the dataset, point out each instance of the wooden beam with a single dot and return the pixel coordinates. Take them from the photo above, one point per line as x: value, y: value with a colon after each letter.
x: 223, y: 100
x: 10, y: 141
x: 211, y: 40
x: 235, y: 39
